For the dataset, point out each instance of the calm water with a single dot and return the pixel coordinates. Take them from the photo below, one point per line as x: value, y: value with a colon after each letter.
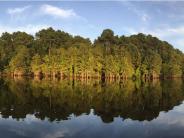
x: 56, y: 109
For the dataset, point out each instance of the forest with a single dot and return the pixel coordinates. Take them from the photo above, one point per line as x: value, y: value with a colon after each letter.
x: 57, y: 54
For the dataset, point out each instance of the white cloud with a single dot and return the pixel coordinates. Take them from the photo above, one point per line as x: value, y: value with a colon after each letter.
x: 57, y: 12
x: 180, y: 42
x: 13, y: 11
x: 161, y: 32
x: 137, y: 11
x: 30, y: 29
x: 145, y: 17
x: 166, y: 33
x: 57, y: 134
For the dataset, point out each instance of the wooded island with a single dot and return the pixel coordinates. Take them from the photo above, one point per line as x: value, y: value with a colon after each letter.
x: 55, y: 53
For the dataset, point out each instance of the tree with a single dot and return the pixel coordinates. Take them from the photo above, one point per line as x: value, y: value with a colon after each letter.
x: 49, y: 38
x: 20, y: 63
x: 22, y: 38
x: 36, y: 65
x: 56, y: 53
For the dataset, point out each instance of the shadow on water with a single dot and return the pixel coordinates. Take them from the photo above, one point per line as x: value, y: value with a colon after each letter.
x: 58, y: 99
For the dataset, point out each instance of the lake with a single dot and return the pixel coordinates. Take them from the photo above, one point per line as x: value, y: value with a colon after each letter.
x: 91, y: 109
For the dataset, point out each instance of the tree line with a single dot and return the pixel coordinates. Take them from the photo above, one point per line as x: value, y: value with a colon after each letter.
x: 55, y: 53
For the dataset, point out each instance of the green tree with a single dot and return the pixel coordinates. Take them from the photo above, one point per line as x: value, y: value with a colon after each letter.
x: 20, y: 63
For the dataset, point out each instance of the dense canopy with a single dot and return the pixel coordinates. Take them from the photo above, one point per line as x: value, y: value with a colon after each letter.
x: 55, y: 53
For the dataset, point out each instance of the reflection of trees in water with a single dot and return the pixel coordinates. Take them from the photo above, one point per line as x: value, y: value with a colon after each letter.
x: 57, y: 99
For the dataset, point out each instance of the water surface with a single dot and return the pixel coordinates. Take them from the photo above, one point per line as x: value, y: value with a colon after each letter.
x: 62, y: 108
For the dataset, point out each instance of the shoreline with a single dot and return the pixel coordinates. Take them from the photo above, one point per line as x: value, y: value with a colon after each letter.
x: 74, y: 77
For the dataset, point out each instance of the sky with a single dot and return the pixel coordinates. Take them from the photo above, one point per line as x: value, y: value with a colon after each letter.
x: 162, y: 19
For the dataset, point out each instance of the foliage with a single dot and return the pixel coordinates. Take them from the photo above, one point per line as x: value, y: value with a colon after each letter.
x: 54, y: 52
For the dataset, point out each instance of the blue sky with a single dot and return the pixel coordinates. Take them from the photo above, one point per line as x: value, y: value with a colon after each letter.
x: 162, y: 19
